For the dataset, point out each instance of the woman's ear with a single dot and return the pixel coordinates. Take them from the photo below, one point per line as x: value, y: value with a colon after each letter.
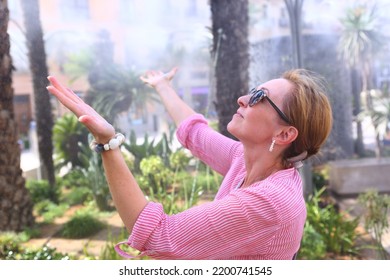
x: 286, y: 136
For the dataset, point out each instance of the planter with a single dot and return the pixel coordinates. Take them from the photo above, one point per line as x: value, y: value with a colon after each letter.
x: 352, y: 177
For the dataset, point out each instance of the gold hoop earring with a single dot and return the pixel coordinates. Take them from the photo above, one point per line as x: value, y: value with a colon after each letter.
x: 271, y: 148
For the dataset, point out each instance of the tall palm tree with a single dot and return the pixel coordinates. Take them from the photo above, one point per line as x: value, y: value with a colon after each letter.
x: 39, y: 72
x: 360, y: 41
x: 231, y: 56
x: 113, y: 89
x: 15, y: 203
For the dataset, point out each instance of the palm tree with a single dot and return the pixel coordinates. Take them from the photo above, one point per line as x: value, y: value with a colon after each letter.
x: 360, y: 41
x: 15, y: 203
x: 39, y: 72
x: 113, y: 89
x: 230, y: 52
x: 68, y: 132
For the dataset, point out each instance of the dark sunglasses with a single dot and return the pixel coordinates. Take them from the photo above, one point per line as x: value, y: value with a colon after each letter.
x: 259, y: 94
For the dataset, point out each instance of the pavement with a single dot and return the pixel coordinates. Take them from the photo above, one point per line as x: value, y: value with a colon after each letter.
x: 92, y: 246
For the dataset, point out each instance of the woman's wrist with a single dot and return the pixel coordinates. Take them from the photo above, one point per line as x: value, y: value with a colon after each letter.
x: 111, y: 144
x: 162, y: 86
x: 104, y: 139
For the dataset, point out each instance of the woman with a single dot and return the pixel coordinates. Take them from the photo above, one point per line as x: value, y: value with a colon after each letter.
x: 259, y: 211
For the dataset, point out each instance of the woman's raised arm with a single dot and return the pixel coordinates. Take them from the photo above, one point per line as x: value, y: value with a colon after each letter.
x: 128, y: 197
x: 175, y: 106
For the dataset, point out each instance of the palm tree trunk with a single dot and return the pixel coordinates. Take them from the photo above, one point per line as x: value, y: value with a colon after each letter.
x: 356, y: 89
x: 231, y: 53
x: 39, y: 72
x: 15, y: 203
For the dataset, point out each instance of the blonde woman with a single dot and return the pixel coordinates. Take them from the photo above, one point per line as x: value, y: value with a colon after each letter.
x: 259, y: 211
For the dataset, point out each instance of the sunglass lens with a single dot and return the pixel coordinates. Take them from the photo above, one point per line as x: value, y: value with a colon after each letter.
x: 256, y: 97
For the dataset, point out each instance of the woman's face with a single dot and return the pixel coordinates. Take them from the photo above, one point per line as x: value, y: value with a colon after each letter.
x: 258, y: 123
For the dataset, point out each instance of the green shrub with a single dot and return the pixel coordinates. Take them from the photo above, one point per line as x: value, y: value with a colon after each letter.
x: 375, y: 215
x: 42, y: 206
x: 77, y: 195
x: 9, y: 245
x: 40, y: 190
x: 50, y: 210
x: 44, y: 253
x: 162, y: 148
x: 156, y: 176
x: 209, y: 180
x: 320, y: 176
x: 338, y: 231
x: 313, y: 246
x: 19, y: 237
x: 191, y: 187
x: 68, y: 132
x: 73, y: 179
x: 94, y: 174
x: 54, y: 211
x: 81, y: 225
x: 28, y: 233
x: 74, y: 186
x: 318, y: 180
x: 11, y: 249
x: 179, y: 160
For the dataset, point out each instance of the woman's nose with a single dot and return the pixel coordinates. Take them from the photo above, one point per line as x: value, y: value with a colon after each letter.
x: 243, y: 100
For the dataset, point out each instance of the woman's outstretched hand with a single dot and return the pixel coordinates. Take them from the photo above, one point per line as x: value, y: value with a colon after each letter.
x: 96, y: 124
x: 156, y: 78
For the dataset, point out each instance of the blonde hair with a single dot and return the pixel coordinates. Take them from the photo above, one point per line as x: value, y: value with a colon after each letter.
x: 309, y: 111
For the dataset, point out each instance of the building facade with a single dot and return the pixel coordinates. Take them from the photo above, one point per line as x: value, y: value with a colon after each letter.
x: 153, y: 34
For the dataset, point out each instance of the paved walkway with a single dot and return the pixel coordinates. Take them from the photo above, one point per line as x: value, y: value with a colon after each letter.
x: 92, y: 245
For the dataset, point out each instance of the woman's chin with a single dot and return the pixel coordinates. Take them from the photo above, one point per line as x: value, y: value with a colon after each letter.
x: 230, y: 128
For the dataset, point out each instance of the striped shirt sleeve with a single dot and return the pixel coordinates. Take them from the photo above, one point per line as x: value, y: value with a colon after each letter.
x: 213, y: 148
x: 215, y: 230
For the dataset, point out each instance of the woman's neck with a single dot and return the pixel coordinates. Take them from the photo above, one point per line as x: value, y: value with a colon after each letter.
x: 260, y: 166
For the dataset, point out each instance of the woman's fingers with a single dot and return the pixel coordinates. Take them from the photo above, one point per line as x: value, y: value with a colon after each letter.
x: 69, y: 99
x: 171, y: 73
x: 153, y: 77
x: 65, y: 100
x: 144, y: 79
x: 64, y: 90
x: 95, y: 123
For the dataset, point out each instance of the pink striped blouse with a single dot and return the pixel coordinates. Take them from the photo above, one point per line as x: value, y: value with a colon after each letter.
x: 262, y: 221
